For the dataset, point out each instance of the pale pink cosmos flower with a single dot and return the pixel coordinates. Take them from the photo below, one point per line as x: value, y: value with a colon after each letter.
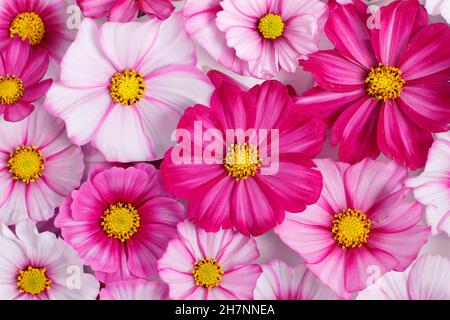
x: 432, y: 187
x: 256, y: 37
x: 139, y: 289
x: 427, y: 278
x: 38, y: 266
x: 278, y: 281
x: 124, y: 86
x: 39, y: 166
x: 362, y: 224
x: 200, y: 265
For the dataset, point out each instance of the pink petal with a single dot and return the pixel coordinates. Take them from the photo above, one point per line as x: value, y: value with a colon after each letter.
x: 241, y: 281
x: 391, y: 286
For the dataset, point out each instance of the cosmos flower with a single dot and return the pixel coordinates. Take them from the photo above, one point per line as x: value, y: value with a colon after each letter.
x: 383, y: 89
x: 38, y: 266
x: 426, y: 279
x: 279, y: 281
x: 362, y: 224
x: 21, y: 73
x: 256, y: 37
x: 250, y: 180
x: 39, y: 167
x: 124, y: 86
x: 135, y: 290
x: 125, y: 10
x: 120, y: 221
x: 209, y: 266
x: 432, y: 187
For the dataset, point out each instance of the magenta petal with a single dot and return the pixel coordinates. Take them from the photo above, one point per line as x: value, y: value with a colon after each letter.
x: 124, y: 11
x: 18, y: 111
x: 17, y: 57
x: 95, y: 8
x: 158, y: 8
x: 35, y: 69
x: 37, y: 91
x: 228, y: 103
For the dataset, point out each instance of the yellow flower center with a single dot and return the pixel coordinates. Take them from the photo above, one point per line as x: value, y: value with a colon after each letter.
x: 351, y: 228
x: 11, y: 89
x: 33, y: 280
x: 120, y: 221
x: 384, y: 82
x: 271, y: 26
x: 28, y: 25
x: 207, y: 273
x: 127, y: 87
x: 26, y: 163
x: 242, y: 160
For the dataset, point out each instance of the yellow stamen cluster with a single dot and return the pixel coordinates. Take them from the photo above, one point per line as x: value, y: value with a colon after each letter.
x: 26, y: 163
x: 127, y: 87
x: 384, y: 83
x: 11, y: 89
x: 33, y: 280
x: 120, y: 221
x: 351, y: 228
x: 271, y: 26
x: 207, y: 273
x: 242, y: 161
x: 28, y: 25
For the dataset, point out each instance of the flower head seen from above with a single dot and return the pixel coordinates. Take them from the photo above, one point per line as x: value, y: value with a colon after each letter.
x: 209, y: 266
x: 124, y: 86
x: 384, y: 89
x: 138, y: 289
x: 432, y: 187
x: 120, y: 221
x: 248, y: 183
x: 39, y: 167
x: 426, y: 279
x: 38, y: 266
x: 279, y: 281
x: 256, y: 37
x: 21, y: 84
x: 362, y: 223
x: 126, y: 10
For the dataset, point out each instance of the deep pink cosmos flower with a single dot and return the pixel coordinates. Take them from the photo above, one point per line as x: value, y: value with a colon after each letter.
x: 39, y: 166
x: 253, y: 177
x: 209, y: 266
x: 21, y: 73
x: 278, y: 281
x: 125, y: 10
x: 139, y: 289
x: 256, y: 37
x: 384, y: 89
x: 39, y: 266
x: 361, y: 225
x: 42, y: 22
x: 120, y: 221
x: 124, y: 87
x: 426, y: 279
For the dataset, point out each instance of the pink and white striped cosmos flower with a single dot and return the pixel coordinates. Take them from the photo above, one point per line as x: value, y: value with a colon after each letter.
x: 362, y: 224
x: 139, y: 289
x: 256, y: 37
x: 39, y: 166
x: 426, y: 279
x: 124, y: 86
x: 39, y: 266
x: 200, y: 265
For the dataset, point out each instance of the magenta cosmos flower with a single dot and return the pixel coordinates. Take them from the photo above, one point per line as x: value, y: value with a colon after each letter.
x: 125, y: 10
x: 432, y: 187
x: 139, y: 289
x: 248, y: 183
x: 38, y: 266
x: 39, y: 167
x: 256, y: 37
x: 42, y: 23
x: 384, y: 89
x: 426, y: 279
x: 209, y: 266
x: 21, y: 73
x: 124, y: 86
x: 120, y: 221
x: 361, y: 224
x: 279, y: 281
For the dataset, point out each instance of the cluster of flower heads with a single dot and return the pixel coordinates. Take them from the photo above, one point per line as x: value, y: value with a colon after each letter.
x: 119, y: 179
